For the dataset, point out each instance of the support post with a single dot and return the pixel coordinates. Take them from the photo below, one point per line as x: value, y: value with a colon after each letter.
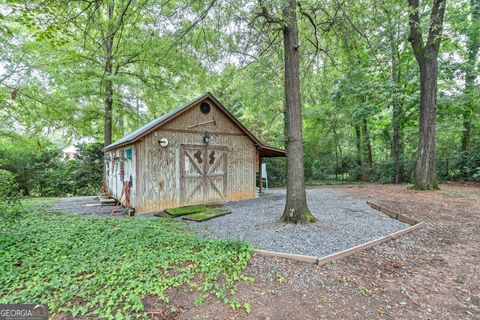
x: 259, y: 174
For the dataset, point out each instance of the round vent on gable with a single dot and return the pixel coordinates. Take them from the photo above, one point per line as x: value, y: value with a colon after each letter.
x: 205, y: 108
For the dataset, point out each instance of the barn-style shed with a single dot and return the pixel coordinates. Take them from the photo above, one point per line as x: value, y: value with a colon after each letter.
x: 198, y: 153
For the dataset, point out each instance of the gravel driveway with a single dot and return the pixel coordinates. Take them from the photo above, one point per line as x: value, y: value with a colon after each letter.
x: 343, y: 222
x: 85, y: 206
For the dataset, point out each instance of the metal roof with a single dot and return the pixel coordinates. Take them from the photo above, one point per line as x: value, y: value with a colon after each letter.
x: 132, y: 137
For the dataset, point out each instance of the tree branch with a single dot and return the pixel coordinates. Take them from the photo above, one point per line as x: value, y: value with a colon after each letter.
x: 264, y: 13
x: 415, y: 36
x: 436, y: 25
x: 369, y: 43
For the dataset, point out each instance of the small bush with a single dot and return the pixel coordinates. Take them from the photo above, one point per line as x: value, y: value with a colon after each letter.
x: 39, y: 171
x: 476, y: 175
x: 9, y: 191
x: 10, y: 213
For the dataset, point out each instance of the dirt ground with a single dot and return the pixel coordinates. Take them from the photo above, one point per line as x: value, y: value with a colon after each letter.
x: 431, y: 273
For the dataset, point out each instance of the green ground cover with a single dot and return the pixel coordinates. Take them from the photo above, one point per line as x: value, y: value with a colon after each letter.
x: 105, y: 267
x: 206, y: 215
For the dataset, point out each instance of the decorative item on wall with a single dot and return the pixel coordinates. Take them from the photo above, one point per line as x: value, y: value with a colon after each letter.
x: 212, y: 157
x: 128, y: 153
x: 122, y: 171
x: 198, y: 156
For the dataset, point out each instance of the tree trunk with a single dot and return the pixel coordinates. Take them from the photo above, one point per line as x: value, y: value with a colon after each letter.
x: 473, y: 44
x: 358, y: 144
x: 335, y: 137
x: 296, y: 209
x: 108, y: 112
x: 396, y: 123
x: 285, y: 125
x: 336, y: 147
x: 426, y: 55
x: 426, y: 176
x: 467, y: 126
x: 107, y: 131
x: 108, y: 99
x: 368, y: 143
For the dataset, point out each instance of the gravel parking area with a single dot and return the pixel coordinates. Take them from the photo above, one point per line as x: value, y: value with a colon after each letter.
x: 343, y: 222
x: 87, y: 206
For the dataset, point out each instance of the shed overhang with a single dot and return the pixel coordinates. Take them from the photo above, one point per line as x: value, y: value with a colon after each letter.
x: 268, y: 152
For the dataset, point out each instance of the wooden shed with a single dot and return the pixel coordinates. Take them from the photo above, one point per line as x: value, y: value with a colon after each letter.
x: 198, y: 153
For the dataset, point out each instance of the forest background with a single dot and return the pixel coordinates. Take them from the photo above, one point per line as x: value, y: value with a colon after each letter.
x: 68, y: 69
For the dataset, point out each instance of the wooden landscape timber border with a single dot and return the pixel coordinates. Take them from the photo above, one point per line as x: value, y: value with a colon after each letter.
x: 320, y: 261
x: 393, y: 214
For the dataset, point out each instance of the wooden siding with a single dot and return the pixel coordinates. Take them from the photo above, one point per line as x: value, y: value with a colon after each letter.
x: 189, y: 120
x: 159, y: 170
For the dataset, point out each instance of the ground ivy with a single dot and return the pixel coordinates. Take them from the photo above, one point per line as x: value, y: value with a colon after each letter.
x: 104, y: 268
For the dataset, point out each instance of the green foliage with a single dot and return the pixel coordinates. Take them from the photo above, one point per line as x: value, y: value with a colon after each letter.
x: 40, y: 170
x: 10, y: 206
x: 9, y: 191
x: 104, y: 268
x: 276, y: 171
x: 53, y: 78
x: 88, y: 169
x: 9, y: 215
x: 462, y: 166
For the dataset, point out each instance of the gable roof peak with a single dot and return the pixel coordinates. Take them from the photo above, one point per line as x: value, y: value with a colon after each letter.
x: 135, y: 135
x: 149, y: 127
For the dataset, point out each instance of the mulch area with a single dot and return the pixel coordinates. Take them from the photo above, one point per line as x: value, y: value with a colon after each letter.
x: 431, y: 273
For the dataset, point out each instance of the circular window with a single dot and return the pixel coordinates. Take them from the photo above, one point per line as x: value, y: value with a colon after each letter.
x: 205, y: 108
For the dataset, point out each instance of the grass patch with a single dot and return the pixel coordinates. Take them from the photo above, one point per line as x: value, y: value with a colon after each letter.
x: 207, y: 215
x: 187, y: 210
x: 104, y: 268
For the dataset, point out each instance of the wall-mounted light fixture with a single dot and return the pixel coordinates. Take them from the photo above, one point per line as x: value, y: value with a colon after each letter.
x: 163, y: 142
x: 206, y: 138
x: 107, y: 158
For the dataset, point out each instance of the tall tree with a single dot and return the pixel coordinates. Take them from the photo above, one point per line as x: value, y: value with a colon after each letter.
x: 396, y: 116
x: 296, y: 209
x: 107, y: 38
x: 105, y: 29
x: 473, y: 44
x: 392, y: 13
x: 426, y: 55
